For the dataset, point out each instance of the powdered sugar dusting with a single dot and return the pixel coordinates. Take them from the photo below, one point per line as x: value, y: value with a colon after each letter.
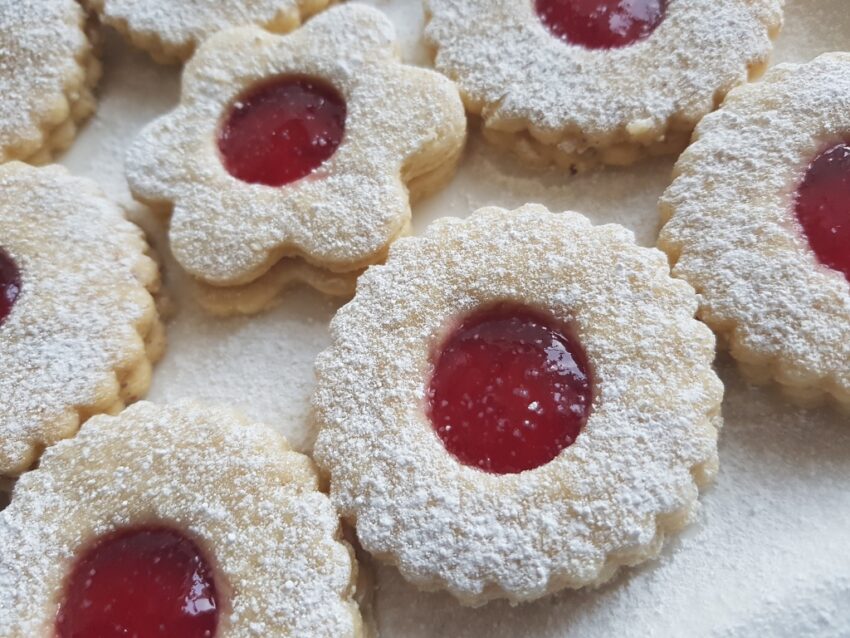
x: 522, y: 78
x: 734, y: 235
x: 228, y: 232
x: 43, y: 44
x: 78, y: 328
x: 252, y: 505
x: 606, y: 501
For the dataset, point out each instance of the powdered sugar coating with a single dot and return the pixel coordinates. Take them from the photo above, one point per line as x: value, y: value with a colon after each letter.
x: 608, y: 500
x: 343, y: 216
x: 81, y: 337
x: 170, y: 31
x: 578, y: 106
x: 45, y: 59
x: 733, y: 234
x: 250, y: 502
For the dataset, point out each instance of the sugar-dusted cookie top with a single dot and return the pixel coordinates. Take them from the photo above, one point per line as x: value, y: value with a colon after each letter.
x: 581, y: 82
x: 306, y: 145
x: 170, y: 31
x: 181, y: 521
x: 758, y: 220
x: 516, y: 403
x: 78, y: 325
x: 48, y: 70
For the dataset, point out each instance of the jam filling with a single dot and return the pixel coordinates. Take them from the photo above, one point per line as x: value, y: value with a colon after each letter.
x: 510, y: 389
x: 601, y: 24
x: 10, y: 284
x: 144, y: 582
x: 823, y: 207
x: 282, y: 131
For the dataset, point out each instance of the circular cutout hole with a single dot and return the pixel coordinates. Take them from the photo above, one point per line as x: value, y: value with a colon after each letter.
x: 510, y: 389
x: 283, y: 130
x: 140, y: 582
x: 10, y: 284
x: 601, y: 24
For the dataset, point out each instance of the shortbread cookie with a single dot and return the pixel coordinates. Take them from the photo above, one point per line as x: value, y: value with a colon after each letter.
x: 261, y: 294
x: 174, y: 521
x: 78, y: 323
x: 517, y: 403
x: 171, y: 31
x: 48, y: 73
x: 581, y: 82
x: 759, y: 224
x: 308, y: 145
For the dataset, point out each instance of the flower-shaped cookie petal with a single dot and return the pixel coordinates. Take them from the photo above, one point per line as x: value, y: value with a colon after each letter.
x: 735, y: 230
x: 553, y: 101
x: 48, y: 71
x: 171, y: 30
x: 271, y: 541
x: 404, y: 126
x: 628, y: 479
x: 79, y: 329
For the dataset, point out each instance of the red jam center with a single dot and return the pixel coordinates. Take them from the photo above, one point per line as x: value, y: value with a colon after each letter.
x: 10, y: 284
x: 823, y: 207
x: 510, y: 390
x: 148, y: 582
x: 601, y: 24
x: 282, y: 131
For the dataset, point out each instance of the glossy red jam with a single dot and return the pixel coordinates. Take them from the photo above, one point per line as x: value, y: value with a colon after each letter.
x: 601, y: 24
x: 10, y: 284
x: 510, y: 389
x: 146, y: 583
x: 823, y: 207
x: 282, y: 131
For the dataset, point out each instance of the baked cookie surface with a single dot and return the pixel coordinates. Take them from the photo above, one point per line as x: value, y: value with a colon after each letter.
x: 554, y: 96
x: 758, y: 221
x: 160, y: 534
x: 517, y: 403
x: 79, y: 329
x: 49, y: 71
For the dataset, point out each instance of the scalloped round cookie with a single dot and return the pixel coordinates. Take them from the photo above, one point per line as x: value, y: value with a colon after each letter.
x: 577, y: 84
x: 156, y: 493
x: 49, y: 73
x: 79, y: 329
x: 170, y: 31
x: 283, y: 147
x: 516, y: 403
x: 758, y: 221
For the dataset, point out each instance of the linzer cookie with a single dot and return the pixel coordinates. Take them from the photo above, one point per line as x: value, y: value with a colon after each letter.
x: 517, y: 403
x: 175, y: 521
x: 293, y: 156
x: 583, y: 82
x: 170, y: 31
x: 78, y: 324
x: 759, y: 223
x: 48, y: 72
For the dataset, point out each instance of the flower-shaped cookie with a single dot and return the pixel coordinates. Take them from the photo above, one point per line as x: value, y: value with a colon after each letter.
x: 578, y: 82
x: 516, y: 403
x: 78, y: 325
x: 171, y: 31
x: 48, y: 72
x: 174, y: 521
x: 307, y: 146
x: 759, y: 224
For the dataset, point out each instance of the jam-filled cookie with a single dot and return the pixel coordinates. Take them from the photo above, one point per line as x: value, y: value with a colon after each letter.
x: 759, y: 224
x: 48, y: 73
x: 78, y: 324
x: 517, y: 403
x: 306, y: 147
x: 170, y: 31
x: 583, y: 82
x: 174, y: 521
